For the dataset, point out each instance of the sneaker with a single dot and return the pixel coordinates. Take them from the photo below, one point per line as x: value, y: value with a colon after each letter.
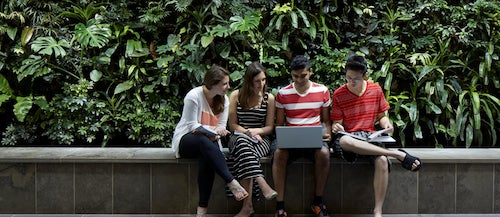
x: 281, y: 213
x: 320, y: 211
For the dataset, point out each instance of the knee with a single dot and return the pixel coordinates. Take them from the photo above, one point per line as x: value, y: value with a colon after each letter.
x: 323, y: 155
x: 345, y: 142
x: 381, y: 162
x: 280, y: 157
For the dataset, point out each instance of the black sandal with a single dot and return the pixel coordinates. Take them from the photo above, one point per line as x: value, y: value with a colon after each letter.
x: 409, y: 160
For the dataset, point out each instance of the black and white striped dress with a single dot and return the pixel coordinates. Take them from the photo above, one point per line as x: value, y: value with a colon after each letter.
x: 244, y: 159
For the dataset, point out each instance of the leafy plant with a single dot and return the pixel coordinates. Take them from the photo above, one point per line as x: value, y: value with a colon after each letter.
x: 114, y: 72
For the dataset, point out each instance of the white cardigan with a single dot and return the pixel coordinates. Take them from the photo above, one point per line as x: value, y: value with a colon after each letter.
x: 195, y: 104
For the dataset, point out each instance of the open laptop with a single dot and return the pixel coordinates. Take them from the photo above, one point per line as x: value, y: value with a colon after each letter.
x: 299, y: 136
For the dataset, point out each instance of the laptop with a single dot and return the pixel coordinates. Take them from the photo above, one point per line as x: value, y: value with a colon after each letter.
x: 299, y: 136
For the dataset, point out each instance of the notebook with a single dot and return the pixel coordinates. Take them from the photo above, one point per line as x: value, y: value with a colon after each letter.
x: 299, y: 136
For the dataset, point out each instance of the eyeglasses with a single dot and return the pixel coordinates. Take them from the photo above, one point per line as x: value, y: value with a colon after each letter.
x: 299, y: 76
x: 354, y: 80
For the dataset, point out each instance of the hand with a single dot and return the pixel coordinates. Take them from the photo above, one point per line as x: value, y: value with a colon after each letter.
x: 214, y: 138
x: 258, y: 138
x: 251, y: 132
x: 336, y: 127
x: 222, y: 131
x: 389, y: 129
x: 327, y: 137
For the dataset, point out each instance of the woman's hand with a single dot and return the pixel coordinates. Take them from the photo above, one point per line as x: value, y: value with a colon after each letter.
x: 221, y: 131
x: 258, y: 138
x: 254, y: 133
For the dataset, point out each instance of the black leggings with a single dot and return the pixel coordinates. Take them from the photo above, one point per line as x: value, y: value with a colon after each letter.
x: 210, y: 161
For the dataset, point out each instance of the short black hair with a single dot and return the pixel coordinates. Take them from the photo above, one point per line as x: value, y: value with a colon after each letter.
x: 357, y: 63
x: 300, y: 62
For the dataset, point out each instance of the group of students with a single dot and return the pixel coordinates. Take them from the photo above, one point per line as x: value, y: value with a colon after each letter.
x: 251, y: 113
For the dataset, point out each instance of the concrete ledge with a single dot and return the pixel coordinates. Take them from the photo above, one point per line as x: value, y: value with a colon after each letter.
x: 68, y: 180
x: 86, y: 155
x: 166, y: 155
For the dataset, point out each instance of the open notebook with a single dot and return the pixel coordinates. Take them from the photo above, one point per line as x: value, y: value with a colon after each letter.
x: 374, y: 137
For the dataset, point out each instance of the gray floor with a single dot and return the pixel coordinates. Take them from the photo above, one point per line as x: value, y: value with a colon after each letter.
x: 266, y: 215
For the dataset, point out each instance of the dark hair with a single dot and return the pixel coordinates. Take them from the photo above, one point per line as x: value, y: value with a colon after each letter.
x: 300, y: 62
x: 357, y: 63
x: 246, y: 92
x: 213, y: 76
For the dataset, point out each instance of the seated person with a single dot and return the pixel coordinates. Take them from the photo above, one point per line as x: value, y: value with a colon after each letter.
x: 356, y: 107
x: 251, y: 113
x: 303, y: 103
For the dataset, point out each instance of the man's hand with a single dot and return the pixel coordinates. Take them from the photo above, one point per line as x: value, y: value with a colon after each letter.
x: 336, y: 127
x: 327, y: 137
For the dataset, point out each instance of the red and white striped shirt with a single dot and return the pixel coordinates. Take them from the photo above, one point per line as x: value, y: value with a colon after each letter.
x: 303, y: 109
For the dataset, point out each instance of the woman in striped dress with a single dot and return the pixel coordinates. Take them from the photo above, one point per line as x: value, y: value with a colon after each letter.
x: 251, y: 118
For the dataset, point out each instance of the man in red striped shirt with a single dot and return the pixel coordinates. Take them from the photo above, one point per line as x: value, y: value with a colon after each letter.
x: 303, y: 103
x: 356, y: 107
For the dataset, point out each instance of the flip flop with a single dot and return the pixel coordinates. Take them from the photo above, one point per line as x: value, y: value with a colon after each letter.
x: 409, y: 160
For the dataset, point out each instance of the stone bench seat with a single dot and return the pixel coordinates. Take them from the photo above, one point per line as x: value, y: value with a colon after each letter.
x: 166, y: 155
x: 76, y: 180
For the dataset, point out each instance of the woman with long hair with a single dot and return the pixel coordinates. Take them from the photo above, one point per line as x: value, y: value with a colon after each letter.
x: 251, y: 118
x: 207, y: 106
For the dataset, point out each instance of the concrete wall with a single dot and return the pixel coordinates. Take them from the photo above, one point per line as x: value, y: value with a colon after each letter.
x: 152, y: 181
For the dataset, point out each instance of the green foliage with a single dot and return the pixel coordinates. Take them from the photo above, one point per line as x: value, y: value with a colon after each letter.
x: 76, y: 116
x: 13, y: 135
x: 328, y: 67
x: 92, y: 34
x: 150, y: 124
x: 49, y: 46
x: 91, y: 72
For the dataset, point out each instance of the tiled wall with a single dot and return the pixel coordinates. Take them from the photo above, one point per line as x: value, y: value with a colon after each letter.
x: 170, y: 188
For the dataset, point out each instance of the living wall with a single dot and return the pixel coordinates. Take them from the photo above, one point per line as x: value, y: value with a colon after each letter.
x: 113, y: 73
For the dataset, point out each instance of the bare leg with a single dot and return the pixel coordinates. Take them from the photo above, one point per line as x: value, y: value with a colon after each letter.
x: 267, y: 191
x: 380, y: 181
x: 365, y: 148
x: 321, y: 170
x: 247, y: 207
x: 279, y: 172
x: 239, y: 192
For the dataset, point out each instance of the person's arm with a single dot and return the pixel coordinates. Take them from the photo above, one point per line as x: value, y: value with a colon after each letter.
x: 325, y: 119
x: 337, y: 126
x: 233, y: 116
x: 223, y: 117
x: 384, y: 121
x: 280, y: 116
x: 336, y: 117
x: 190, y: 111
x: 271, y: 111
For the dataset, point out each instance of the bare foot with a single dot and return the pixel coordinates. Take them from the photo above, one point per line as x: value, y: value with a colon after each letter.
x: 245, y: 212
x: 406, y: 160
x: 239, y: 192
